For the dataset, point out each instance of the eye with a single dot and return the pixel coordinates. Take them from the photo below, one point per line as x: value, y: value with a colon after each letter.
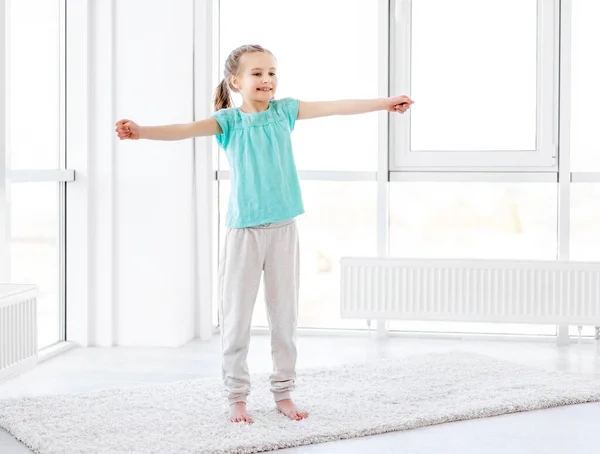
x: 272, y: 74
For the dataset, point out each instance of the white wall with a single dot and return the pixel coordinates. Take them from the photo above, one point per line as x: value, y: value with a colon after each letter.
x: 141, y: 195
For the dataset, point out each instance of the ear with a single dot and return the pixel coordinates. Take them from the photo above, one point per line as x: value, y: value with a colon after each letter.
x: 234, y: 82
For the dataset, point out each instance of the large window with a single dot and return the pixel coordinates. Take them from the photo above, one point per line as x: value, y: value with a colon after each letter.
x: 35, y: 154
x: 472, y: 171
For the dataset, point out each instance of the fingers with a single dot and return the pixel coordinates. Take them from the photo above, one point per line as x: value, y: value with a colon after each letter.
x: 123, y: 129
x: 123, y: 132
x: 401, y: 108
x: 404, y: 101
x: 402, y: 104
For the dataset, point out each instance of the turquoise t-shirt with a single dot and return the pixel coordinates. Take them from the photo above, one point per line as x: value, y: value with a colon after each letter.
x: 264, y: 181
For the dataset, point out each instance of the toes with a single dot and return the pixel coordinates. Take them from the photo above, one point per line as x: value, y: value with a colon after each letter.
x: 295, y: 415
x: 242, y: 418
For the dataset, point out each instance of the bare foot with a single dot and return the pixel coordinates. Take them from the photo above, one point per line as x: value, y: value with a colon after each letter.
x: 237, y: 413
x: 288, y: 408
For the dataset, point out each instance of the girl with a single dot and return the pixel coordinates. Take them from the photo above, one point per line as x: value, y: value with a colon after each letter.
x: 265, y: 199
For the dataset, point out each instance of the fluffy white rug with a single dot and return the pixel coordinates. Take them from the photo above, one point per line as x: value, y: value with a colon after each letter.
x: 344, y: 402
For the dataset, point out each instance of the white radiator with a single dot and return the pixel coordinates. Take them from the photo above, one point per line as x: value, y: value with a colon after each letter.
x: 511, y: 291
x: 18, y: 329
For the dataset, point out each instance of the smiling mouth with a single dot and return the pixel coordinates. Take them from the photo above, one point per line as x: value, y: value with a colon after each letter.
x: 264, y: 89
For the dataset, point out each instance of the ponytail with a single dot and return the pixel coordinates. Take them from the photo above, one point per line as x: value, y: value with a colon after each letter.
x: 222, y: 96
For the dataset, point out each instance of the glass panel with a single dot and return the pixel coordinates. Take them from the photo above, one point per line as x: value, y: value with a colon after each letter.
x: 33, y: 128
x: 473, y: 220
x: 585, y: 91
x: 340, y: 220
x: 319, y: 66
x: 585, y: 231
x: 585, y: 222
x: 34, y: 250
x: 474, y: 83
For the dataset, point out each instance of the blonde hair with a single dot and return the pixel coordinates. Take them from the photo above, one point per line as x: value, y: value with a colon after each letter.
x: 232, y: 67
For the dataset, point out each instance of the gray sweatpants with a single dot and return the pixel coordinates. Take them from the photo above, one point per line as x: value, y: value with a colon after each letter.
x: 272, y: 248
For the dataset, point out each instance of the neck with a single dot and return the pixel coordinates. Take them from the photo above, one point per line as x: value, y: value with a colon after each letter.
x: 254, y: 106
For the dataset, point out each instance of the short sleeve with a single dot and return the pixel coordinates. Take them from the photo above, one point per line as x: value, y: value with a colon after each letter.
x: 290, y: 107
x: 223, y: 118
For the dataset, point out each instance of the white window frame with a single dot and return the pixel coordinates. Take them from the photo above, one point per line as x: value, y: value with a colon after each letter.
x: 541, y: 159
x: 60, y: 175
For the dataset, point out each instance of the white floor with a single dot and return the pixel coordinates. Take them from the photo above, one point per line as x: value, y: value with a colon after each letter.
x: 559, y: 430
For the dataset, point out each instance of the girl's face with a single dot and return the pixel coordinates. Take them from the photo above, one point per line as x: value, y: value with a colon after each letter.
x: 257, y: 79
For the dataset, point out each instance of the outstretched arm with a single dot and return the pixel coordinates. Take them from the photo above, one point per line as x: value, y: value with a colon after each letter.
x: 127, y: 129
x: 352, y: 106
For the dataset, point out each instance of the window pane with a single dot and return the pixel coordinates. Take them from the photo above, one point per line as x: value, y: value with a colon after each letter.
x: 474, y: 82
x: 34, y: 258
x: 318, y: 65
x: 34, y: 84
x: 585, y: 222
x: 473, y: 220
x: 340, y: 220
x: 585, y: 230
x: 585, y: 92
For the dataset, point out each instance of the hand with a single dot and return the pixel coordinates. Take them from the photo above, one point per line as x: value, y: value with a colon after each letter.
x: 127, y: 129
x: 398, y: 104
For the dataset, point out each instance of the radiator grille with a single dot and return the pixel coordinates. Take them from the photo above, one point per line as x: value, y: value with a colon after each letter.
x: 478, y: 290
x: 18, y: 335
